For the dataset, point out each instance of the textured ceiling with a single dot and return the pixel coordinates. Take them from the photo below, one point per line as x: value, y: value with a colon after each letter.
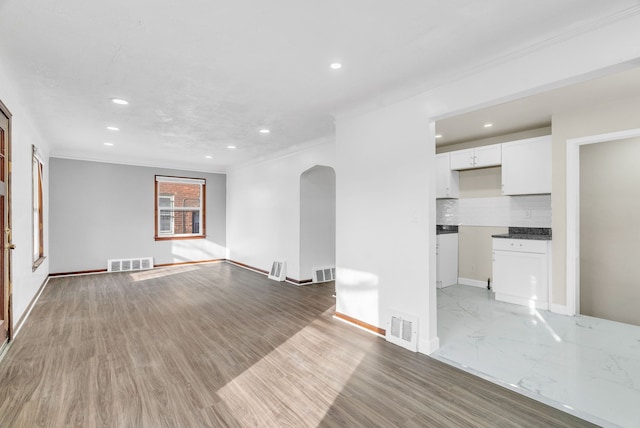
x: 202, y: 75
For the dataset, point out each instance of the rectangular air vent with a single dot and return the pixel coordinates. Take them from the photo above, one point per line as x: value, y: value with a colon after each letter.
x: 402, y: 329
x: 278, y: 271
x: 324, y: 274
x: 128, y: 265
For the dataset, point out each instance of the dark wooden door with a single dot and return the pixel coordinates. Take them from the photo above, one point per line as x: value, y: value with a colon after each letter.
x: 5, y: 230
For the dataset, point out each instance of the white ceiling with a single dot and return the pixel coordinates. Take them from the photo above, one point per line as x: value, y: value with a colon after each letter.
x: 204, y: 74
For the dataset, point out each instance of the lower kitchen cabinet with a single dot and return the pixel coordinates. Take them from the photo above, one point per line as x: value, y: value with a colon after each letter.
x: 446, y: 259
x: 521, y: 271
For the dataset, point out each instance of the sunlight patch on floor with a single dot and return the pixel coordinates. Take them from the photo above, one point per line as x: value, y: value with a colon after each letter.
x: 161, y: 272
x: 321, y: 372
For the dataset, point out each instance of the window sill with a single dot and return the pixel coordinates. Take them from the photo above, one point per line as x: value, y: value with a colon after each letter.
x: 37, y: 263
x: 177, y: 238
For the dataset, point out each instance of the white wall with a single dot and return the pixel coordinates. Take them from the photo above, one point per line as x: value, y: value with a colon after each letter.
x: 263, y: 208
x: 102, y: 211
x: 385, y: 224
x: 317, y: 220
x: 26, y: 282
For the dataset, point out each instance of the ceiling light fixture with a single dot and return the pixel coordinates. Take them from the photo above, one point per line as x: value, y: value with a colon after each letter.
x: 208, y: 157
x: 119, y: 101
x: 113, y: 128
x: 108, y: 144
x: 438, y: 135
x: 335, y: 66
x: 488, y: 125
x: 231, y: 147
x: 265, y: 131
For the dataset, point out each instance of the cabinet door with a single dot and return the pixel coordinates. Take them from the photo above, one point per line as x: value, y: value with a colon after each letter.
x: 488, y: 155
x: 447, y: 183
x: 461, y: 159
x: 526, y: 166
x: 522, y: 276
x: 446, y: 259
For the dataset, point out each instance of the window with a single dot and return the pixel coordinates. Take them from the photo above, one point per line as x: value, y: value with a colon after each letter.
x: 180, y: 208
x: 38, y: 209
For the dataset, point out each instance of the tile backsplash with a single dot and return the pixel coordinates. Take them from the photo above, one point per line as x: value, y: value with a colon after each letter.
x: 515, y: 211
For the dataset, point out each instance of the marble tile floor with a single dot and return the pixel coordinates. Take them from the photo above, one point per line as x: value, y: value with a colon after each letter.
x: 586, y: 366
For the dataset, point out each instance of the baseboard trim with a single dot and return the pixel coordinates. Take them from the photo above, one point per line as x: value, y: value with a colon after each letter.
x: 80, y: 272
x: 429, y: 347
x: 361, y: 324
x: 300, y: 282
x: 197, y: 262
x: 27, y: 312
x: 559, y: 309
x: 93, y: 271
x: 266, y: 272
x: 472, y: 282
x: 246, y: 266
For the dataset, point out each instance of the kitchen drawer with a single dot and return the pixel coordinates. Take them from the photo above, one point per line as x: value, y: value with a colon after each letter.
x: 522, y: 245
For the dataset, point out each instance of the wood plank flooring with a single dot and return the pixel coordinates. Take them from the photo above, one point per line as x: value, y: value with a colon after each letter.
x: 215, y: 346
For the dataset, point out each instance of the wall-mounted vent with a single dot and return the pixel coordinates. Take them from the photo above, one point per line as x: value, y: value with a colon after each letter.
x: 127, y: 265
x: 324, y: 274
x: 402, y: 329
x: 278, y: 271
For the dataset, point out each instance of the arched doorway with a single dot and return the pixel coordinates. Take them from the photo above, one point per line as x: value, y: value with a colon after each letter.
x: 317, y: 220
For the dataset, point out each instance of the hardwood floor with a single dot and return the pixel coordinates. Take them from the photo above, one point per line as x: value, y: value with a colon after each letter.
x: 216, y: 345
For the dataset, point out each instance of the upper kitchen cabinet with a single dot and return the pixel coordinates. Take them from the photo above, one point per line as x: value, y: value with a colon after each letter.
x: 526, y: 166
x: 477, y: 157
x: 447, y: 182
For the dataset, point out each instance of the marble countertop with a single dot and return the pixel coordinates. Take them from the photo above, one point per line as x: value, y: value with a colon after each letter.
x: 536, y: 233
x: 444, y: 229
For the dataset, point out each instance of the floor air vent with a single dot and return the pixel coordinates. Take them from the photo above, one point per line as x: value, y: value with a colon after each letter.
x: 127, y: 265
x: 402, y: 329
x: 278, y: 271
x: 324, y: 274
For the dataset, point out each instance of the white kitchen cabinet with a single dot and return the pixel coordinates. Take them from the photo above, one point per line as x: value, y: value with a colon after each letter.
x: 521, y: 271
x: 477, y: 157
x: 447, y: 181
x: 446, y: 259
x: 526, y: 166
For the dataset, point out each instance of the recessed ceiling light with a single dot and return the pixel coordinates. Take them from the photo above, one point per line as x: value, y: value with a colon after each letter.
x: 335, y: 66
x: 113, y: 128
x: 108, y: 144
x: 265, y: 131
x: 488, y: 125
x: 208, y: 157
x: 119, y: 101
x: 231, y: 147
x: 438, y: 135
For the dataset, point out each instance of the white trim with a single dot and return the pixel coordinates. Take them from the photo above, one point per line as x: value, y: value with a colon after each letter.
x: 37, y: 154
x: 559, y: 309
x: 472, y: 282
x: 168, y: 166
x: 430, y: 346
x: 523, y: 301
x: 573, y: 210
x: 167, y: 179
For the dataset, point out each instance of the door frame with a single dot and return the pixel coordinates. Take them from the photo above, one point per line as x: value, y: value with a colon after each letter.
x: 573, y: 210
x: 6, y: 234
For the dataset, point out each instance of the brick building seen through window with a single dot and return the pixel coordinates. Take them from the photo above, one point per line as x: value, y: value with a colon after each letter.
x: 179, y: 207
